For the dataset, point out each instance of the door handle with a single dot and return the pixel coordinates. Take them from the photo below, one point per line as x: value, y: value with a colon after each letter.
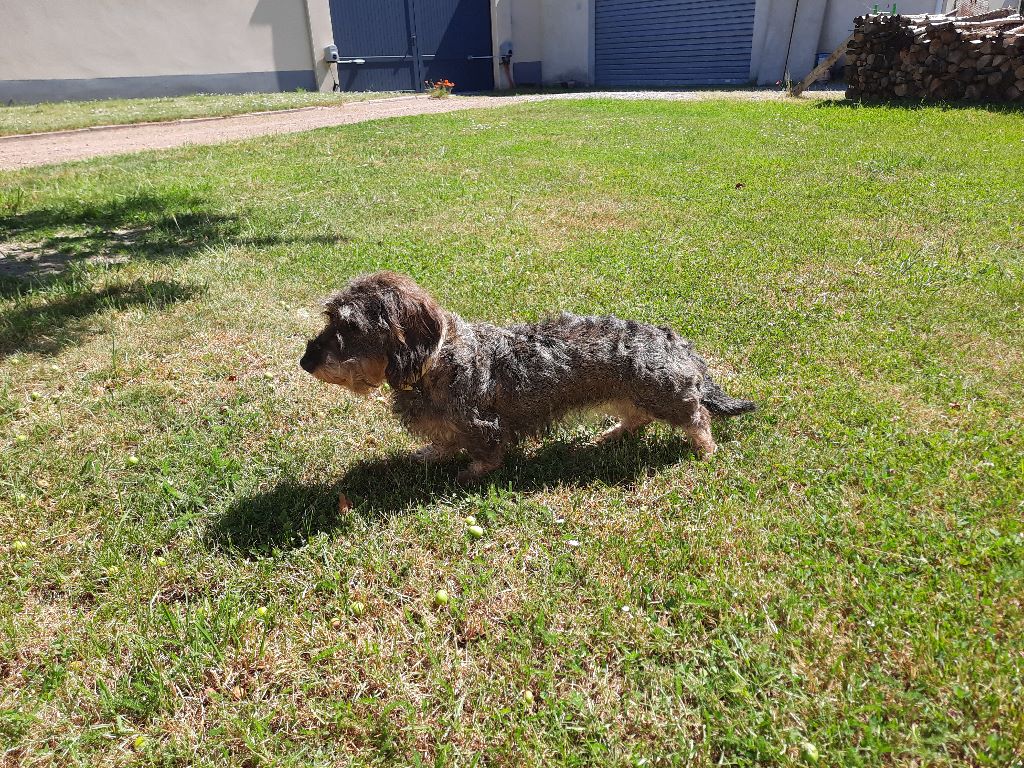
x: 472, y: 58
x: 362, y: 59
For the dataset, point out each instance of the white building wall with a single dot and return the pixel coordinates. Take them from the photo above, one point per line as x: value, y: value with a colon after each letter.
x: 551, y: 41
x: 528, y: 39
x: 568, y: 38
x: 841, y: 13
x: 56, y: 49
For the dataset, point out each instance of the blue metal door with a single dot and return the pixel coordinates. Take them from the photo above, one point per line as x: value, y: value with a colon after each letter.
x: 455, y: 42
x: 376, y: 42
x: 672, y: 42
x: 395, y: 45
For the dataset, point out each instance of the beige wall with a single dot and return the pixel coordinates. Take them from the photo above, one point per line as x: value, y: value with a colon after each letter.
x: 321, y: 35
x: 527, y: 30
x: 567, y: 35
x: 558, y: 34
x: 501, y: 37
x: 44, y: 39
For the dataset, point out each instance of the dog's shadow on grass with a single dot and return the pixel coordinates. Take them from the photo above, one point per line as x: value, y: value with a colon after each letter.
x: 289, y: 514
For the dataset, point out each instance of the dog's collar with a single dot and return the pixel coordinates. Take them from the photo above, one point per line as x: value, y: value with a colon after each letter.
x: 432, y: 357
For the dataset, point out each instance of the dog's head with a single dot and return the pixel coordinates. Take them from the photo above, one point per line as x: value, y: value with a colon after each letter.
x: 382, y: 327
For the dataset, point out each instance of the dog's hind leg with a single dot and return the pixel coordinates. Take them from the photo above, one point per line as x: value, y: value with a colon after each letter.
x: 631, y: 420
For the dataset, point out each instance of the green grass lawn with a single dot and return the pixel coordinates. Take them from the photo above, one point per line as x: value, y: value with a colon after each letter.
x: 57, y: 116
x: 841, y: 585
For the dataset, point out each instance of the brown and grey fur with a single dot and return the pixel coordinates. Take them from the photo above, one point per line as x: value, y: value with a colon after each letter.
x: 481, y: 388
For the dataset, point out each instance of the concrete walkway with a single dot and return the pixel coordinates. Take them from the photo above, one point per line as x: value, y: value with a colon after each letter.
x: 28, y: 150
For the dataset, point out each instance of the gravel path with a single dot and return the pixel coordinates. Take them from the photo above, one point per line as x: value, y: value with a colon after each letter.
x: 61, y: 146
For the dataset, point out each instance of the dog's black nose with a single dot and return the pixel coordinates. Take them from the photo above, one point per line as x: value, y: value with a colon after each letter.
x: 308, y: 363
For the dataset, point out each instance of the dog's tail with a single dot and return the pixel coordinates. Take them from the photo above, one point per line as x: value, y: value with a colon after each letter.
x: 719, y: 403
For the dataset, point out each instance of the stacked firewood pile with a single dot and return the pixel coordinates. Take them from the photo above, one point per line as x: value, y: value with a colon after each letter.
x: 937, y: 57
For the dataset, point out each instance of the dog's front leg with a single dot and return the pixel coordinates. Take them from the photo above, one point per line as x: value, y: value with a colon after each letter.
x: 485, y: 444
x: 435, y: 453
x: 488, y: 452
x: 483, y: 463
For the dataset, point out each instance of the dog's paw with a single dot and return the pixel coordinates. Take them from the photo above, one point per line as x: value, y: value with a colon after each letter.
x: 476, y: 471
x: 432, y: 454
x: 425, y: 455
x: 611, y: 434
x: 634, y: 424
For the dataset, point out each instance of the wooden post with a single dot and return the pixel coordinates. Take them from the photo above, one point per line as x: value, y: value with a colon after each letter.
x: 802, y: 86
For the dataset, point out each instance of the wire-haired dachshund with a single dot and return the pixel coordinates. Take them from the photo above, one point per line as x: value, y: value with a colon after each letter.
x: 481, y: 388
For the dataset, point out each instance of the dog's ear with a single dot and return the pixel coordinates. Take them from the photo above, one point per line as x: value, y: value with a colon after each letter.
x: 416, y: 322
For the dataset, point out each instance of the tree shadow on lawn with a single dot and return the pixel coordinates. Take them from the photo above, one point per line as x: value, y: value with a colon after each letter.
x: 290, y: 513
x: 54, y: 261
x: 46, y: 246
x: 64, y: 318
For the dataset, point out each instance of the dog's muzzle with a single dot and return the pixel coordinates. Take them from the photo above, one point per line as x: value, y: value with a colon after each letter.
x: 308, y: 362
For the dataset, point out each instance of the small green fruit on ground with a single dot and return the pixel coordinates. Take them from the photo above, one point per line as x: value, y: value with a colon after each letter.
x: 470, y: 520
x: 160, y: 561
x: 357, y: 608
x: 19, y: 545
x: 810, y: 751
x: 528, y: 698
x: 441, y: 597
x: 132, y: 460
x: 261, y: 611
x: 475, y: 531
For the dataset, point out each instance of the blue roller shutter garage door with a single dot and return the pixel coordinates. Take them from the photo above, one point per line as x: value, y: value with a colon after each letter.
x: 672, y: 42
